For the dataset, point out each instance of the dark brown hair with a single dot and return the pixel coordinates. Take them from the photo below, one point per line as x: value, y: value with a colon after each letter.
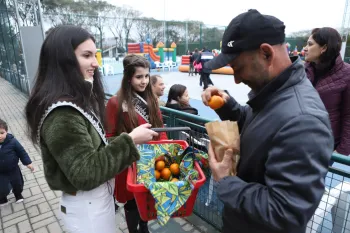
x: 59, y: 77
x: 126, y: 93
x: 3, y: 125
x: 329, y: 37
x: 175, y: 92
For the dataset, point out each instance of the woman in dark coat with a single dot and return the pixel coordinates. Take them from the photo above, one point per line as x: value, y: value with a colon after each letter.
x: 330, y: 75
x: 179, y: 99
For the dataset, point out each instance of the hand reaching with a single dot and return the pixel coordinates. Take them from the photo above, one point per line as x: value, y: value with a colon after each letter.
x: 143, y: 134
x: 210, y: 91
x: 30, y: 166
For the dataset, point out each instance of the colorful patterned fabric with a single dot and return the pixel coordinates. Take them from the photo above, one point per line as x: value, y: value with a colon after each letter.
x: 169, y: 196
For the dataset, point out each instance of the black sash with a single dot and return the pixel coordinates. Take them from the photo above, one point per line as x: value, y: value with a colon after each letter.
x: 141, y: 107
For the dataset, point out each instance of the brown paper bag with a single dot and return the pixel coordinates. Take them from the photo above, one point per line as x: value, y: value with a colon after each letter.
x: 224, y: 135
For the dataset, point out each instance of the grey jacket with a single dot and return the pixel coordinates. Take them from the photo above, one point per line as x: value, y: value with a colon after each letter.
x: 286, y: 146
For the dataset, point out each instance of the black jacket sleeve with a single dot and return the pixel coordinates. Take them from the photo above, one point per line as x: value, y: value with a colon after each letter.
x: 296, y: 166
x: 21, y: 153
x: 233, y: 111
x: 198, y: 59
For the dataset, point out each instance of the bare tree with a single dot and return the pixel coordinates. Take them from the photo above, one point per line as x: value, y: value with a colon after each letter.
x: 115, y: 22
x: 302, y: 33
x: 149, y: 28
x: 65, y: 12
x: 26, y: 11
x: 130, y: 17
x: 193, y: 33
x: 121, y: 22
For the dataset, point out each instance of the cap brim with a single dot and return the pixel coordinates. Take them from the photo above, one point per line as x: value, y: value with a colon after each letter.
x: 220, y: 61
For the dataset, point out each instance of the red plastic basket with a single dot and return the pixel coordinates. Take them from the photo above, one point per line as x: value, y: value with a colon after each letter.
x: 144, y: 199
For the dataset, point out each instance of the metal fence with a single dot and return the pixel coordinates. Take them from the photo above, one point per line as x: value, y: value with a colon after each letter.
x: 332, y: 214
x: 15, y: 14
x: 12, y: 66
x: 207, y: 205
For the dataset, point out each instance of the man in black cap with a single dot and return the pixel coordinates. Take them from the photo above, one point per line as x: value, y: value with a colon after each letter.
x: 286, y: 138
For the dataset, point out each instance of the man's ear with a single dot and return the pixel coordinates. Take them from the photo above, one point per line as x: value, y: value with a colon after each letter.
x: 267, y: 52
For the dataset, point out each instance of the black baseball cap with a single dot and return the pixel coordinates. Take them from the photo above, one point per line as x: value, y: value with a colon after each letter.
x: 245, y: 32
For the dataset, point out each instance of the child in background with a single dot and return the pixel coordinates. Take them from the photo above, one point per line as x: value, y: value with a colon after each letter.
x: 11, y: 151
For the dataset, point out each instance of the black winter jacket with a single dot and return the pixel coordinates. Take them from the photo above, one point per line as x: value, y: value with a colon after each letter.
x: 11, y: 152
x: 286, y: 146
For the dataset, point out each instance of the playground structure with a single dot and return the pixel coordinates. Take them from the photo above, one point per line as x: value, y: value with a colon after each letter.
x: 157, y: 56
x: 185, y: 67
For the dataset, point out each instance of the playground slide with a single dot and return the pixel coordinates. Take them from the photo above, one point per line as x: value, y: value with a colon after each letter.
x: 149, y: 49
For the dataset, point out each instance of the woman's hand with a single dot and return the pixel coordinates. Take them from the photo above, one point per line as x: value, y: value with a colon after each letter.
x: 142, y: 134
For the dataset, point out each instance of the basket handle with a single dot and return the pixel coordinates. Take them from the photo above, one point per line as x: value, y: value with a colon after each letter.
x: 171, y: 129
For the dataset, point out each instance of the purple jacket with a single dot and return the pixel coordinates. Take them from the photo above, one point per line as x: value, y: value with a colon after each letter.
x: 334, y: 90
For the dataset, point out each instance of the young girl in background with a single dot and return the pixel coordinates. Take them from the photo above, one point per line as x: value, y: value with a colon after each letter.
x: 133, y: 105
x: 179, y: 99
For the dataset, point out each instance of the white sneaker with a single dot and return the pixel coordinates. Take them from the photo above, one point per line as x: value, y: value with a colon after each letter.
x: 19, y: 200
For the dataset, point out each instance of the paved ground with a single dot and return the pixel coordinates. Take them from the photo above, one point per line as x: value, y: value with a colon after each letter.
x: 38, y: 213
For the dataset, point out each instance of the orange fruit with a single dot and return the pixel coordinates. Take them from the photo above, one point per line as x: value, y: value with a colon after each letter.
x: 216, y: 102
x: 160, y: 165
x: 174, y: 180
x: 157, y: 174
x: 165, y: 174
x: 175, y: 169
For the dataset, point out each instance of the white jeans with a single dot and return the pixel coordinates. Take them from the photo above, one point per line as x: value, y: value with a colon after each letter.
x: 89, y: 211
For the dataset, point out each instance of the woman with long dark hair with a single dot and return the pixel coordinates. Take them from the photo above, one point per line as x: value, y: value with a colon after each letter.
x: 133, y: 105
x: 179, y: 99
x: 330, y: 75
x: 65, y: 115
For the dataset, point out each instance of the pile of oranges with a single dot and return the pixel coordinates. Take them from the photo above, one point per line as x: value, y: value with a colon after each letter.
x: 164, y: 172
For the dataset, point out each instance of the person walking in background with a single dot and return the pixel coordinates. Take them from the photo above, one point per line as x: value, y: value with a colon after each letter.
x: 204, y: 57
x: 330, y: 75
x: 191, y: 65
x: 11, y: 151
x: 195, y: 57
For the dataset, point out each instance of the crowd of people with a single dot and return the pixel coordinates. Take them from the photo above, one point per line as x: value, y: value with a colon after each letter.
x: 297, y: 115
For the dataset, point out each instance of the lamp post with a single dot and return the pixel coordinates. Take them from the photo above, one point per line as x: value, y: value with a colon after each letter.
x: 41, y: 18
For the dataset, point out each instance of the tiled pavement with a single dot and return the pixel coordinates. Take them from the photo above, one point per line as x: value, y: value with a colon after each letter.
x: 39, y: 211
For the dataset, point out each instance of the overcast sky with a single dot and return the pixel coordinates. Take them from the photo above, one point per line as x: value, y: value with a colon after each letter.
x: 296, y: 14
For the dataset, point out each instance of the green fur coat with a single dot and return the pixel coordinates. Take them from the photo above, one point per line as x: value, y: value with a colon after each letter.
x: 75, y: 153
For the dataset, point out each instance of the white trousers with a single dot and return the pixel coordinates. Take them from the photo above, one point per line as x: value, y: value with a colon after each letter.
x: 89, y: 211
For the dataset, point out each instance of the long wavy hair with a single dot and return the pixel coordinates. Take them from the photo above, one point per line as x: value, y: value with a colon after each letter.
x: 126, y: 93
x: 59, y: 78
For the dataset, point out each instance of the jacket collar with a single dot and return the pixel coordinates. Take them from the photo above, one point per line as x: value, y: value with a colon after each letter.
x: 309, y: 67
x: 289, y: 77
x: 8, y: 138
